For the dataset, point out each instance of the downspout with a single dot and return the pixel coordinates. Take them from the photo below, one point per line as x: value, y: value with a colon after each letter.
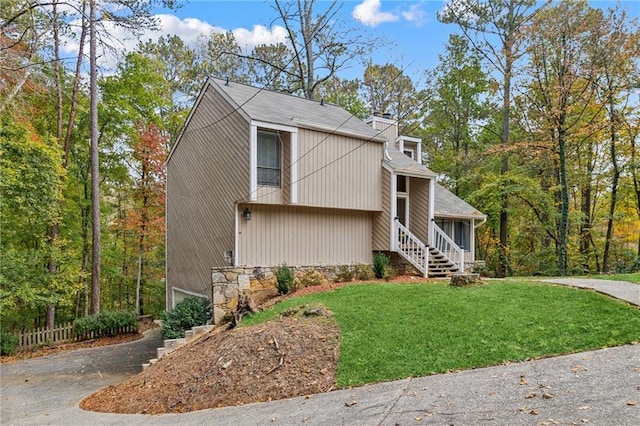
x: 479, y: 224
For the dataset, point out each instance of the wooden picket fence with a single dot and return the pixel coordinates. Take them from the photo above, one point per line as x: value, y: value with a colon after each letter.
x: 62, y: 333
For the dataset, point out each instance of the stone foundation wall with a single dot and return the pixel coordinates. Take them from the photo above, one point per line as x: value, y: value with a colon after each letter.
x: 227, y: 283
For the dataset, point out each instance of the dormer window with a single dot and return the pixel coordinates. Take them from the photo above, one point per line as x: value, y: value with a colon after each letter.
x: 269, y: 158
x: 409, y: 152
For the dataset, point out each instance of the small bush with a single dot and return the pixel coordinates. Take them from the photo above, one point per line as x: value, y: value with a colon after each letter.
x: 363, y: 272
x: 308, y: 278
x: 8, y: 343
x: 387, y: 272
x: 343, y: 274
x: 188, y: 313
x: 106, y: 323
x: 380, y: 263
x: 285, y: 279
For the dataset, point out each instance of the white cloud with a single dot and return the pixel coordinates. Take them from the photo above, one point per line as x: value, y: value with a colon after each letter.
x: 415, y: 14
x: 248, y: 39
x: 188, y: 29
x: 368, y: 13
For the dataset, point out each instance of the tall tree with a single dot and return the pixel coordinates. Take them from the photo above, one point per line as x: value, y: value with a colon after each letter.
x: 321, y: 44
x: 387, y: 89
x: 220, y: 55
x: 345, y: 93
x: 615, y: 48
x: 150, y: 152
x: 494, y: 28
x: 95, y: 167
x: 454, y: 111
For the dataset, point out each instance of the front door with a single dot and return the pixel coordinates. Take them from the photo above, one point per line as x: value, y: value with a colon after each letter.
x: 402, y: 209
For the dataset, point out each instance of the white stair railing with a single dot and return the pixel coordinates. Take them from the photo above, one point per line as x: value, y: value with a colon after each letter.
x: 448, y: 247
x: 412, y: 249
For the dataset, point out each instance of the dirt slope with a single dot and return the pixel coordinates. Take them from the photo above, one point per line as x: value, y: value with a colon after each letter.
x: 283, y: 358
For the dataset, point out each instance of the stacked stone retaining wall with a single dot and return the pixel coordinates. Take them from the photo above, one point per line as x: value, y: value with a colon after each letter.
x: 227, y: 283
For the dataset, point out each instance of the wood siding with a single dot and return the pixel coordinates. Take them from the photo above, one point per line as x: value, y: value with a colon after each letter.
x: 337, y: 171
x: 305, y: 236
x: 381, y: 232
x: 419, y: 208
x: 207, y: 173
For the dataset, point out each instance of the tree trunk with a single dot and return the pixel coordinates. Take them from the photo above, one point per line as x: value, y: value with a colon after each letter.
x: 563, y: 225
x: 503, y: 260
x: 53, y: 231
x: 614, y: 185
x: 95, y: 177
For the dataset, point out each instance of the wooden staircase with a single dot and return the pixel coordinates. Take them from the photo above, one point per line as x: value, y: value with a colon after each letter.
x: 440, y: 265
x: 430, y: 261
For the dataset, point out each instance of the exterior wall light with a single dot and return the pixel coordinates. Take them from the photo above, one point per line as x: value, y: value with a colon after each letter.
x: 246, y: 214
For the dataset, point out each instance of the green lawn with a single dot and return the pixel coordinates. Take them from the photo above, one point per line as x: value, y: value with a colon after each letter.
x: 390, y: 331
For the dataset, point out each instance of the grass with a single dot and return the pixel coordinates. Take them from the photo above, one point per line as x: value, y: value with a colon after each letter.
x: 391, y: 331
x: 632, y: 278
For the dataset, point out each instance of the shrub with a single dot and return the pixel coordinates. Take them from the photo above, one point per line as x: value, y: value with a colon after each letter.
x: 309, y: 277
x: 363, y: 272
x: 343, y: 274
x: 106, y: 323
x: 8, y: 343
x: 190, y: 312
x: 380, y: 263
x: 285, y: 279
x: 387, y: 272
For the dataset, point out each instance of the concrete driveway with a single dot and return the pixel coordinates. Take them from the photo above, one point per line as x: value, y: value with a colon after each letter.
x: 597, y: 388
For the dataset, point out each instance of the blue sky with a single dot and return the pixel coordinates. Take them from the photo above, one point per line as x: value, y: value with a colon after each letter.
x: 413, y: 35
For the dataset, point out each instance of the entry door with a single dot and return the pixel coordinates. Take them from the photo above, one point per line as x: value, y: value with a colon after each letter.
x: 402, y: 209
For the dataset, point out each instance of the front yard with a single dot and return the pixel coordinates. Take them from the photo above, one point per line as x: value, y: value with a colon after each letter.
x: 391, y: 331
x: 375, y: 332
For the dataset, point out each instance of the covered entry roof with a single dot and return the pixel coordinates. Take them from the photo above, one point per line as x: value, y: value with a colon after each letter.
x: 447, y: 204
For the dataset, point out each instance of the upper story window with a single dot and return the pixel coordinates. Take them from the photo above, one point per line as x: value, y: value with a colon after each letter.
x: 402, y: 184
x: 269, y: 158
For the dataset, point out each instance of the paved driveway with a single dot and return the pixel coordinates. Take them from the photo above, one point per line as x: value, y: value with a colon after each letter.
x: 47, y: 390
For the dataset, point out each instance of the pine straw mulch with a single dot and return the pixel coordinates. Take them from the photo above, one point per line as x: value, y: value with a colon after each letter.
x: 291, y: 356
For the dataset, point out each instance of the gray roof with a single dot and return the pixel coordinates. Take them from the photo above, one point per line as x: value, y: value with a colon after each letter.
x: 449, y: 204
x: 402, y: 164
x: 279, y: 108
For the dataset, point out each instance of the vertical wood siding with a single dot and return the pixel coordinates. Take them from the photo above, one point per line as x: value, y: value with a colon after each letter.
x: 207, y: 173
x: 381, y: 232
x: 303, y: 236
x: 336, y: 171
x: 419, y: 208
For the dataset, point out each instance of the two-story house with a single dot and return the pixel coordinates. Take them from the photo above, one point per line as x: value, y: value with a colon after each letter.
x: 258, y: 179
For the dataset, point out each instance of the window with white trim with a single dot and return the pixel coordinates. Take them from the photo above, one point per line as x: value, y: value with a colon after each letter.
x: 462, y: 234
x: 269, y: 158
x: 409, y: 152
